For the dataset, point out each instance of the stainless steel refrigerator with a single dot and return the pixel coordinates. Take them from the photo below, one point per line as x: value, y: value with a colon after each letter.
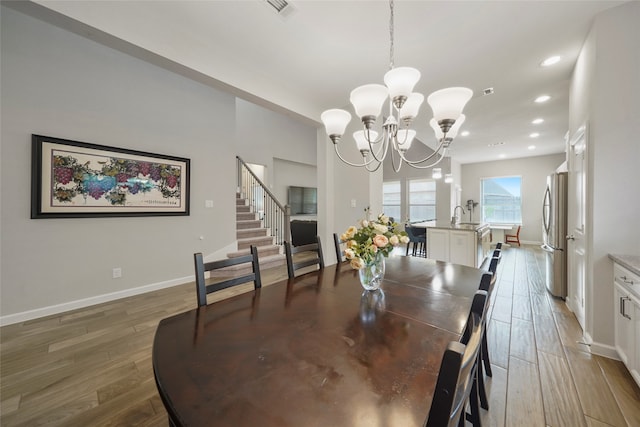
x: 554, y: 232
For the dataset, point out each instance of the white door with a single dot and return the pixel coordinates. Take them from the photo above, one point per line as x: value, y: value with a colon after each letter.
x: 576, y: 244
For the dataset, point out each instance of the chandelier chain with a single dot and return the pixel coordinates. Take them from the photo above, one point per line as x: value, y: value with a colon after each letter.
x: 391, y: 35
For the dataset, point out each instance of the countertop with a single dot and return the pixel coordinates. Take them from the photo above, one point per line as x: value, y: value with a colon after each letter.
x: 630, y: 262
x: 446, y: 225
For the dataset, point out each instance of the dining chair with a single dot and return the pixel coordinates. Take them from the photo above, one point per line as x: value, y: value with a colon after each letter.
x: 477, y: 313
x: 305, y: 262
x: 485, y: 285
x: 499, y: 245
x: 202, y: 289
x: 513, y: 238
x: 418, y: 238
x: 457, y: 384
x: 337, y: 243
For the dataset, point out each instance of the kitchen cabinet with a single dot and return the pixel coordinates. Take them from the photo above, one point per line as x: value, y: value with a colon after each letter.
x: 462, y: 247
x: 627, y: 318
x: 438, y: 244
x: 456, y: 244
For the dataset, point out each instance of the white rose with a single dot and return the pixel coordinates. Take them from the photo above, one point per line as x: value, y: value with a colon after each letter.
x: 380, y: 228
x: 394, y: 240
x: 349, y: 253
x: 384, y: 219
x: 404, y: 239
x: 364, y: 223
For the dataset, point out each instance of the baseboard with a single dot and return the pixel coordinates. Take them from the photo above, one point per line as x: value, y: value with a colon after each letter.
x: 604, y: 350
x: 86, y: 302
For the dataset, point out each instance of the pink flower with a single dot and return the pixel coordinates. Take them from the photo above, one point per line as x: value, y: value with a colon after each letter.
x: 380, y: 240
x: 357, y: 263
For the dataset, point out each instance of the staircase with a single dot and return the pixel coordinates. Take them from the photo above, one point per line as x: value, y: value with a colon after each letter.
x: 249, y: 231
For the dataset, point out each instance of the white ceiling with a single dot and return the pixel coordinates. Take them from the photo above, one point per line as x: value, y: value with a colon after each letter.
x: 310, y: 59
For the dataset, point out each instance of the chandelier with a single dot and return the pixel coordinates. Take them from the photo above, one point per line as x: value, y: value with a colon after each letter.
x: 403, y: 106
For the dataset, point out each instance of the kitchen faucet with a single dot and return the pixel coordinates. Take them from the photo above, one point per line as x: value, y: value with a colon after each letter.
x: 454, y: 218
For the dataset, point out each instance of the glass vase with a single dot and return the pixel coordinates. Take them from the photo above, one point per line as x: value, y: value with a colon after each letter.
x: 372, y: 273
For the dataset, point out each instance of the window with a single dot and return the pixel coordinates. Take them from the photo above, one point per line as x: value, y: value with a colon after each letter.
x: 422, y: 200
x: 501, y: 200
x: 391, y: 199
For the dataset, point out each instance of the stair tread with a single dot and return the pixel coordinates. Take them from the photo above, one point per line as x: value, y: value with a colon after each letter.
x: 249, y: 239
x: 261, y: 249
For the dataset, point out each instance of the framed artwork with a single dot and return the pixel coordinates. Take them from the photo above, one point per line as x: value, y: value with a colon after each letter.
x: 72, y: 179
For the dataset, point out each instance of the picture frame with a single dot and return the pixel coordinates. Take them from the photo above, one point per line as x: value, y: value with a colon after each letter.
x: 73, y: 179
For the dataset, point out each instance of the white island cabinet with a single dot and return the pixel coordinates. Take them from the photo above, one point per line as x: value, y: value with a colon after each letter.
x: 626, y: 291
x: 460, y: 243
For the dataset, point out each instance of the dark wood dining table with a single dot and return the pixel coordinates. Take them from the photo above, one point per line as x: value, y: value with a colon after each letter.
x: 316, y: 350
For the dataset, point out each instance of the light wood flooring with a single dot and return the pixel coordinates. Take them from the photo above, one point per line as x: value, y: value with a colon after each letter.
x: 92, y: 367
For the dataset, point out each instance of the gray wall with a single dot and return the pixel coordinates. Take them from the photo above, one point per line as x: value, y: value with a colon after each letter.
x: 59, y: 84
x: 605, y: 93
x: 533, y: 170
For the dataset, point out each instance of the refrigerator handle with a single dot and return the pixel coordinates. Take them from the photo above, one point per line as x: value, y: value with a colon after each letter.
x: 546, y: 200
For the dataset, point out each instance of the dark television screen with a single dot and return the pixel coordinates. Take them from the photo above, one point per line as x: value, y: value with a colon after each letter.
x: 303, y: 200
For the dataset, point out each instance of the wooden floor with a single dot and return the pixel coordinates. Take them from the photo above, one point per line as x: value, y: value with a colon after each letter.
x: 92, y: 367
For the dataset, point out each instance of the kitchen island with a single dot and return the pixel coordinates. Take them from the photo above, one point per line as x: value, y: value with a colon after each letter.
x: 465, y: 243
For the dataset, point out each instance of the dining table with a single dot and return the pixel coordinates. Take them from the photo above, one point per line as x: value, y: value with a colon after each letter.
x: 317, y: 349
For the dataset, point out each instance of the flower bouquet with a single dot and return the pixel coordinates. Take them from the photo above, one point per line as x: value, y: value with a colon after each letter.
x: 367, y: 246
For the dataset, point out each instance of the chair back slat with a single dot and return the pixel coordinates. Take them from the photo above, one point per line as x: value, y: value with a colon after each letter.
x: 292, y: 250
x: 202, y: 289
x: 337, y: 242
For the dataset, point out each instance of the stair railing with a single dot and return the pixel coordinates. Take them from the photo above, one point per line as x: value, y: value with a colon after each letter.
x: 275, y: 216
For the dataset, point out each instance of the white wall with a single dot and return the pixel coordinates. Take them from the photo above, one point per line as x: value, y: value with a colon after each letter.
x: 605, y: 92
x: 263, y: 135
x: 59, y: 84
x: 287, y: 173
x: 533, y: 170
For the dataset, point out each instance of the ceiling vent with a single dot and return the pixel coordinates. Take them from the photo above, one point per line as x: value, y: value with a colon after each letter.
x: 282, y: 7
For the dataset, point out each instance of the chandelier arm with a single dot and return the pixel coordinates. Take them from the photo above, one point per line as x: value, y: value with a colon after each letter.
x: 415, y: 162
x: 393, y: 162
x: 382, y: 149
x: 417, y: 166
x: 374, y: 169
x: 365, y: 164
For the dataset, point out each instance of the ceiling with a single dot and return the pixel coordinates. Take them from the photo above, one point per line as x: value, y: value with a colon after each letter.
x: 309, y: 59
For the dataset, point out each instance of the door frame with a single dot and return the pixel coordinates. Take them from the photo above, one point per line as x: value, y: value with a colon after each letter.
x: 579, y: 214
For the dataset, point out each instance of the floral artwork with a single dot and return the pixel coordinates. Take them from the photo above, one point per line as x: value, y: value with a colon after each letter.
x: 115, y: 180
x: 78, y: 178
x: 373, y: 236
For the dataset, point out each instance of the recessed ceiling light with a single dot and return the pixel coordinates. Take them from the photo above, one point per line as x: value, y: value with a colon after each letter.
x: 502, y: 156
x: 537, y: 121
x: 487, y: 91
x: 534, y: 135
x: 531, y: 147
x: 464, y: 133
x: 542, y: 98
x: 550, y: 61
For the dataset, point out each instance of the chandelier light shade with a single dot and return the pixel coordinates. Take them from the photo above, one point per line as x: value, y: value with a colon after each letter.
x: 367, y: 100
x: 361, y: 140
x: 453, y: 132
x: 403, y: 106
x: 412, y: 107
x: 335, y: 122
x: 401, y: 82
x: 448, y: 103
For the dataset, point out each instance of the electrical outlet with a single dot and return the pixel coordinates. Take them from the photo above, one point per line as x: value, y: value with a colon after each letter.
x: 117, y: 273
